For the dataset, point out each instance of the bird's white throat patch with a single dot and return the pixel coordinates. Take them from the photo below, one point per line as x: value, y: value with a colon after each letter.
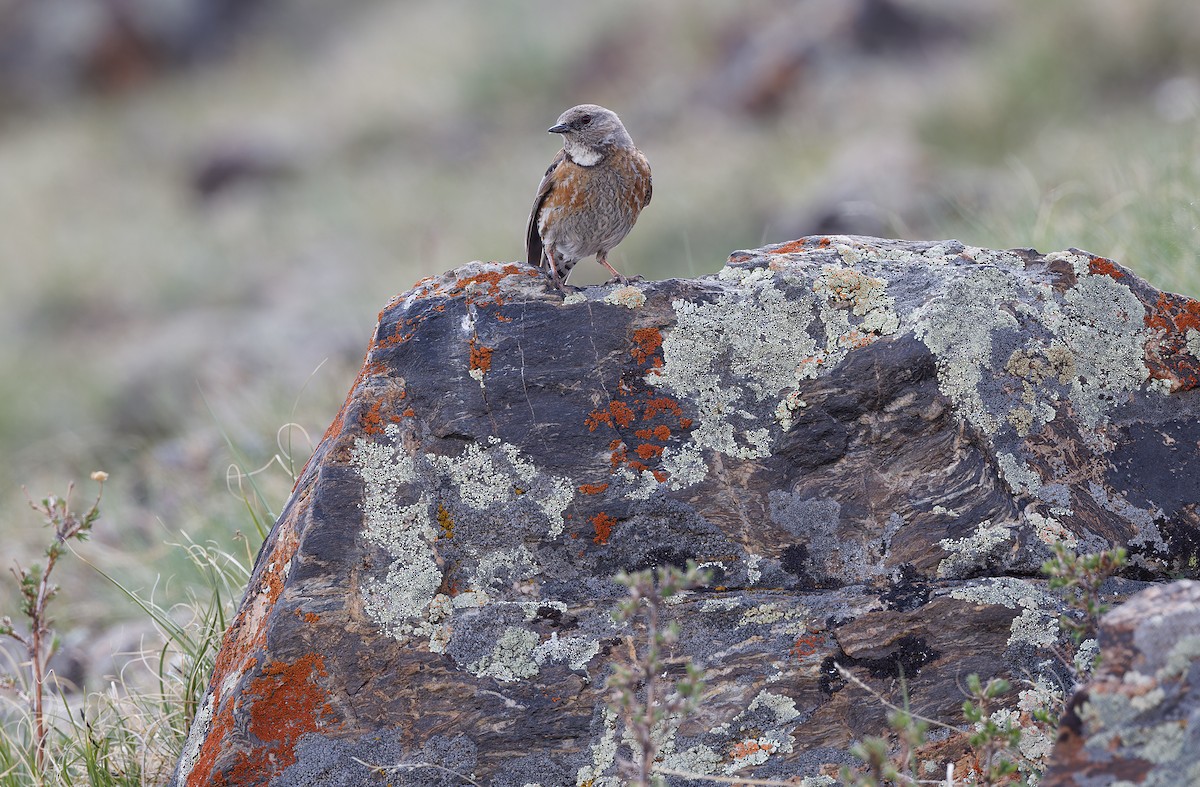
x: 583, y: 155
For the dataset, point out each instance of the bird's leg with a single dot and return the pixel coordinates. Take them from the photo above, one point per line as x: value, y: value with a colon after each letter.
x: 554, y: 277
x: 602, y: 258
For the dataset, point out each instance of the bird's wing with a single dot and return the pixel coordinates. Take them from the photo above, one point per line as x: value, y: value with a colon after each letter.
x: 643, y: 167
x: 533, y: 240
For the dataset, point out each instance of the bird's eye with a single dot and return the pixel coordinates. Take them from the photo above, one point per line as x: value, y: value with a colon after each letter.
x: 583, y: 121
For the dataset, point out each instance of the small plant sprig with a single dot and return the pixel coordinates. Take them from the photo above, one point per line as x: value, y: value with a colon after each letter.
x: 990, y: 740
x: 37, y: 592
x: 1080, y: 578
x: 659, y: 700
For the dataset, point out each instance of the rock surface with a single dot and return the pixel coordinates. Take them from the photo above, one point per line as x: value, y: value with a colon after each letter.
x: 1138, y: 720
x: 870, y: 443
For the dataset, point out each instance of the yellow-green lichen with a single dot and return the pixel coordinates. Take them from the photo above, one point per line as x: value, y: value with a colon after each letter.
x: 629, y: 297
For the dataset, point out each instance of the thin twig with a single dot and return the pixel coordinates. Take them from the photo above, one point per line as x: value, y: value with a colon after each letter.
x: 845, y: 673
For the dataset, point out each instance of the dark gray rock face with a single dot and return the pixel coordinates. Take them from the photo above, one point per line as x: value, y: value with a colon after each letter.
x: 1138, y: 720
x: 869, y: 443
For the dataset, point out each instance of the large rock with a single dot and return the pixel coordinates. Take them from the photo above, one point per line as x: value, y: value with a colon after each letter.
x: 871, y: 444
x: 1138, y: 720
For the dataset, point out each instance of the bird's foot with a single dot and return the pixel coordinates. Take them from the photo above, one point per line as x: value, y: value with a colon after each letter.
x: 623, y: 280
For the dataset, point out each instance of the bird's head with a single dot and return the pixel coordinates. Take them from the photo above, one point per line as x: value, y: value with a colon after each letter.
x: 588, y: 131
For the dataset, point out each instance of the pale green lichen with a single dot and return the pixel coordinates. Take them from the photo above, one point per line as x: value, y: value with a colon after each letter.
x: 1193, y: 342
x: 1021, y: 478
x: 1038, y: 622
x: 1180, y: 658
x: 629, y: 297
x: 511, y: 659
x: 400, y: 601
x: 792, y: 617
x: 575, y: 652
x: 604, y: 754
x: 697, y: 759
x: 988, y: 543
x: 1095, y: 346
x: 782, y: 706
x: 754, y: 336
x: 198, y: 733
x: 1102, y: 324
x: 405, y: 602
x: 573, y: 298
x: 959, y: 329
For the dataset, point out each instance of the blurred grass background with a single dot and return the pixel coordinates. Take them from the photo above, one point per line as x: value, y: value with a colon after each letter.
x: 204, y: 203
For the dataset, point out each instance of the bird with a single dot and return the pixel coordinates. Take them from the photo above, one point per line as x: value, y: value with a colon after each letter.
x: 590, y: 196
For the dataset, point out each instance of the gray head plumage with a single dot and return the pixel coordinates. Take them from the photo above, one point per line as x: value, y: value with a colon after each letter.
x: 591, y: 127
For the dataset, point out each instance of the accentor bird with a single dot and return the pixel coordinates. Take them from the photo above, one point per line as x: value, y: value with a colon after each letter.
x: 590, y: 197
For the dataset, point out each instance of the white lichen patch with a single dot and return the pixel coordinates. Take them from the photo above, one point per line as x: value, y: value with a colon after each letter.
x: 486, y: 474
x: 201, y: 725
x: 1021, y: 478
x: 1193, y: 342
x: 573, y: 298
x: 736, y: 352
x: 959, y: 329
x: 685, y: 466
x: 1085, y: 344
x: 1038, y: 622
x: 988, y: 543
x: 604, y: 754
x: 511, y: 659
x: 629, y: 297
x: 399, y: 602
x: 1102, y: 324
x: 404, y: 602
x: 782, y: 706
x: 575, y: 652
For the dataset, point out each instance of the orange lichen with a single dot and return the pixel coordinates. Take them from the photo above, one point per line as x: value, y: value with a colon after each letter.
x: 592, y: 489
x: 662, y: 404
x: 646, y: 342
x: 789, y: 248
x: 246, y: 635
x: 806, y: 645
x: 372, y: 420
x: 284, y: 703
x: 748, y: 747
x: 602, y: 523
x: 1105, y: 267
x: 308, y: 617
x: 1173, y: 318
x: 622, y: 414
x: 648, y: 450
x: 661, y: 432
x: 481, y: 356
x: 409, y: 412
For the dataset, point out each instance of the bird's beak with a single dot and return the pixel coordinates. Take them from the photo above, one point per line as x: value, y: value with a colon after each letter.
x: 561, y: 128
